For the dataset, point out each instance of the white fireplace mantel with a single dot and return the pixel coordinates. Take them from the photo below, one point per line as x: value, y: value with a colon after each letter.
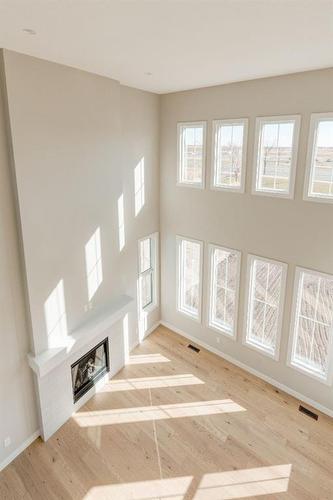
x: 98, y: 321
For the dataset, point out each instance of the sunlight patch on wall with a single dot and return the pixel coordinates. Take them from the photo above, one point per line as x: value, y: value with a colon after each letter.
x: 94, y: 263
x: 139, y: 186
x: 244, y: 483
x: 121, y: 222
x: 142, y: 323
x: 55, y: 316
x: 126, y: 337
x: 161, y: 412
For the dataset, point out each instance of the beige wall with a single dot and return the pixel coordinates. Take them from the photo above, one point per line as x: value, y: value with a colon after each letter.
x: 77, y: 138
x: 18, y: 418
x: 293, y: 231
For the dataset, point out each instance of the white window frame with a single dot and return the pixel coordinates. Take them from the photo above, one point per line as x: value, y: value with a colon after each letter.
x: 314, y: 122
x: 188, y: 314
x: 224, y: 122
x: 292, y: 336
x: 213, y: 326
x: 247, y: 342
x: 260, y: 121
x: 153, y: 270
x: 180, y: 182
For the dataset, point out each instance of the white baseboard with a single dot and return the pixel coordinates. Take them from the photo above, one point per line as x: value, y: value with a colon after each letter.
x: 247, y: 368
x: 19, y: 450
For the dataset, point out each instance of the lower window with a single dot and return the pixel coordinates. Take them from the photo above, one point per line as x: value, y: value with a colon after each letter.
x: 266, y: 288
x: 148, y: 263
x: 312, y: 324
x: 189, y: 281
x: 223, y: 289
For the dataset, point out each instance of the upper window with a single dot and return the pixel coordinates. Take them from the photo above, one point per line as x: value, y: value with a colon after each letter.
x: 266, y: 288
x: 319, y: 179
x: 148, y: 256
x: 276, y: 145
x: 224, y: 289
x: 189, y: 284
x: 229, y: 154
x: 312, y: 324
x: 191, y: 154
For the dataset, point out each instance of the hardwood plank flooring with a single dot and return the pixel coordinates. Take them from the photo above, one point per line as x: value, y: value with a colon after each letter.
x: 175, y: 424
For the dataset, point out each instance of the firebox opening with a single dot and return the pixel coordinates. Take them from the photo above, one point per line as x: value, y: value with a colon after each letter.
x: 89, y: 369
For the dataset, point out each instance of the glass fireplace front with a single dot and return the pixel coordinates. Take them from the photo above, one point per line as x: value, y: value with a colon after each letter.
x: 90, y: 368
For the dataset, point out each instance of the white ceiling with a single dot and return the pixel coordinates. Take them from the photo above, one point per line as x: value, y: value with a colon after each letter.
x: 184, y: 44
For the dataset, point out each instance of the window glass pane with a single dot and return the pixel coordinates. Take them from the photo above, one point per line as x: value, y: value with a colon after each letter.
x: 145, y: 255
x: 146, y: 289
x: 191, y: 153
x: 147, y: 284
x: 224, y: 289
x: 190, y: 277
x: 264, y: 304
x: 321, y: 183
x: 228, y: 155
x: 313, y: 323
x: 275, y: 155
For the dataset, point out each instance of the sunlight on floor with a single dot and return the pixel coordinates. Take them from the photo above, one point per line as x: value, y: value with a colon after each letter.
x: 173, y: 488
x: 213, y: 486
x: 161, y: 412
x: 95, y: 436
x: 244, y: 483
x: 141, y: 359
x: 132, y: 384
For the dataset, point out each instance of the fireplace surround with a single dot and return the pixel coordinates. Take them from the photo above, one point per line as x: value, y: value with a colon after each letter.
x: 53, y: 367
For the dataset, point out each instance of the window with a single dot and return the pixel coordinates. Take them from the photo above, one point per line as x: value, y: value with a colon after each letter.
x: 229, y: 154
x: 319, y: 178
x: 189, y: 277
x: 266, y: 282
x: 148, y: 265
x: 191, y: 154
x: 94, y: 263
x: 223, y: 289
x: 312, y: 324
x: 276, y: 145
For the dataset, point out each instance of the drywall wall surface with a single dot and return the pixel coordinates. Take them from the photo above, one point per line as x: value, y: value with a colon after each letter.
x: 77, y: 139
x: 18, y: 420
x: 293, y: 231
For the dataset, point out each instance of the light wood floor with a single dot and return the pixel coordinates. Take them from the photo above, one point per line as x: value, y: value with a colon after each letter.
x: 178, y: 425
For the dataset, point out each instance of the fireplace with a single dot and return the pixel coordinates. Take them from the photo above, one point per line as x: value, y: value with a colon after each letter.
x: 89, y: 369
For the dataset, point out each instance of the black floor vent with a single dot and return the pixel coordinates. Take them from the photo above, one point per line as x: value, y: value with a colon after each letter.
x: 195, y: 349
x: 308, y: 412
